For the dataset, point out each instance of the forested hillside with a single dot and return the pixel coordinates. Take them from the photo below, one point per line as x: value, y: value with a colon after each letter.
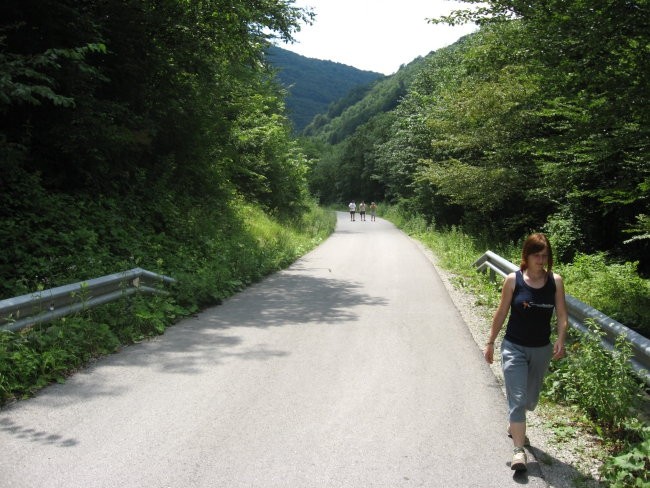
x: 540, y: 120
x: 359, y: 106
x: 313, y: 84
x: 133, y: 133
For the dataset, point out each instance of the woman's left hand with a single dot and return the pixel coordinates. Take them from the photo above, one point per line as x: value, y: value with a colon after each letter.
x: 558, y: 350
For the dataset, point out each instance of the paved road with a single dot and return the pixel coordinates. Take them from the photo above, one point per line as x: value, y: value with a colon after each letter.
x: 352, y: 368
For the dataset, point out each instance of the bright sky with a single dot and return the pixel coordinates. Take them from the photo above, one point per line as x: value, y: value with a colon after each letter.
x: 375, y: 35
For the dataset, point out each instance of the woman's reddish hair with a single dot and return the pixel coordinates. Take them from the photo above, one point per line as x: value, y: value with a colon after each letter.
x: 535, y: 243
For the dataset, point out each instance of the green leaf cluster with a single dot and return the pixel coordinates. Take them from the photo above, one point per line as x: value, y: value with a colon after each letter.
x: 148, y: 95
x: 613, y: 288
x: 131, y: 138
x: 598, y: 382
x: 631, y: 467
x: 37, y: 357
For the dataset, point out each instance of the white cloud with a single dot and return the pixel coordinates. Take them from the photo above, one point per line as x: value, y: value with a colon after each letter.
x: 377, y: 35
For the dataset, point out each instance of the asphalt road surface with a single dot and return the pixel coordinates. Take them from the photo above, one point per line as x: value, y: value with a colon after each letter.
x: 352, y: 368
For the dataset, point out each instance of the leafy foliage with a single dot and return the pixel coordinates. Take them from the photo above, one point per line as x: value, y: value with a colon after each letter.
x: 118, y: 138
x: 631, y: 467
x: 613, y: 288
x: 35, y: 358
x: 599, y: 383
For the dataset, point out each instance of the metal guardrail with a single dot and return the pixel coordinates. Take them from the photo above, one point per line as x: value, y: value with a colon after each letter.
x: 579, y: 313
x: 47, y: 305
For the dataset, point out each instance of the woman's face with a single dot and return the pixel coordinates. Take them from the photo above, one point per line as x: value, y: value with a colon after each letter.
x: 538, y: 260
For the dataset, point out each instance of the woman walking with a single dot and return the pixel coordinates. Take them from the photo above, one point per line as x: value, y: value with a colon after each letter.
x: 530, y: 295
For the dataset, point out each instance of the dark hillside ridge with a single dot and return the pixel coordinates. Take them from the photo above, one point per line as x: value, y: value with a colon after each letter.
x: 314, y: 84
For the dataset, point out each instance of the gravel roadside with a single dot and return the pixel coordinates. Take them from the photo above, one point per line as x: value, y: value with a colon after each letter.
x: 567, y: 457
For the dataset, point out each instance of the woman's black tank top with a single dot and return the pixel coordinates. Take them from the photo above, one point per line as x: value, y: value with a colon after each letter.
x: 530, y: 313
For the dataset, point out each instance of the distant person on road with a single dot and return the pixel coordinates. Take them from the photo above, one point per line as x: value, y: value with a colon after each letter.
x: 362, y: 211
x: 373, y: 211
x: 353, y: 208
x: 530, y: 295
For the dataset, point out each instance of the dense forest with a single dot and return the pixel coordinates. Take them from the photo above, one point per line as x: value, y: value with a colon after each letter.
x: 312, y: 85
x: 540, y: 120
x: 134, y: 131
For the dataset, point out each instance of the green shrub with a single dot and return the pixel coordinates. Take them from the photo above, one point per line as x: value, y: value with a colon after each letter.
x: 564, y: 234
x: 397, y: 214
x: 35, y: 357
x: 614, y: 289
x: 630, y: 468
x: 599, y: 382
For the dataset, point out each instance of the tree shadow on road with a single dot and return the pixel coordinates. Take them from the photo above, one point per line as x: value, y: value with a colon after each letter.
x: 290, y: 298
x: 33, y: 435
x: 293, y: 298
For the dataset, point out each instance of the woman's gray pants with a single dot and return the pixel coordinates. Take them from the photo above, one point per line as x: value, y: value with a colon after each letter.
x: 523, y: 372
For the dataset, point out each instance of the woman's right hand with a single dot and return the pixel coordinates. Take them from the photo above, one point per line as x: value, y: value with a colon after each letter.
x: 489, y: 353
